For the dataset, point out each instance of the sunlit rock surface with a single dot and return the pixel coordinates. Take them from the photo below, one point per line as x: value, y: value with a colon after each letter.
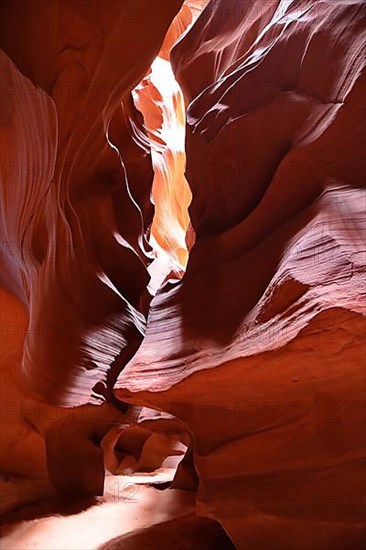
x: 160, y: 100
x: 82, y: 204
x: 274, y: 293
x: 128, y: 505
x: 254, y: 352
x: 76, y: 179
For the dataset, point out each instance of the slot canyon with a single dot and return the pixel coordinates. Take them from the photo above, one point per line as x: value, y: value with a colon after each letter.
x: 183, y: 229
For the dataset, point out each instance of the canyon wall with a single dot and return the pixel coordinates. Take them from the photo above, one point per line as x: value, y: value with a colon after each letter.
x: 76, y: 209
x: 273, y: 297
x: 76, y: 179
x: 256, y: 354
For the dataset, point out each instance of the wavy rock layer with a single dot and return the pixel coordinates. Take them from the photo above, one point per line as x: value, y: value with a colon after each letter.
x: 258, y: 351
x: 75, y: 205
x: 76, y: 179
x: 273, y: 296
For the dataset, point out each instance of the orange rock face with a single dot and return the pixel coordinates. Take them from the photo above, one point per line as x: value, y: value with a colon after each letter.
x: 76, y: 215
x: 273, y: 295
x: 240, y: 149
x: 82, y: 206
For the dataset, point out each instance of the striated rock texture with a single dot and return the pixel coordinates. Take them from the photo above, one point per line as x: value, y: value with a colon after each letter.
x: 74, y: 205
x: 76, y: 179
x: 274, y: 295
x: 255, y: 356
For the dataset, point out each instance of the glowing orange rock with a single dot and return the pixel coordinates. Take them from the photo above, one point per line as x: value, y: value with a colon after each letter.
x: 78, y: 232
x: 273, y: 296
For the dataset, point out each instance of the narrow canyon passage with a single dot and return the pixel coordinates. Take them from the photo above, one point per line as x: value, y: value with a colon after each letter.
x: 182, y: 274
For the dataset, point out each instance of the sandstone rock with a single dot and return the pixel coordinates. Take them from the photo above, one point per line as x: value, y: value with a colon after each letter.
x: 252, y: 354
x: 273, y: 296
